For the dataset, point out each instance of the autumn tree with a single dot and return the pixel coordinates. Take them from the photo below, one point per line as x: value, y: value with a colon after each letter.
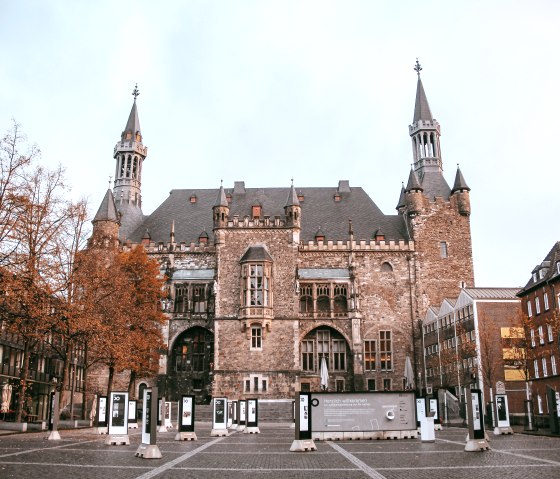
x: 145, y: 318
x: 128, y: 335
x: 15, y: 160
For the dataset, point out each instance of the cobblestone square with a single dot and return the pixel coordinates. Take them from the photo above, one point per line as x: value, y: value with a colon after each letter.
x: 83, y: 454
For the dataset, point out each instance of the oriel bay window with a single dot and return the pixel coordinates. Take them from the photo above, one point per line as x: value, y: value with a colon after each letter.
x: 256, y: 283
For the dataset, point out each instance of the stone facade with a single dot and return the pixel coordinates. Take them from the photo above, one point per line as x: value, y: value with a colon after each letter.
x: 263, y: 283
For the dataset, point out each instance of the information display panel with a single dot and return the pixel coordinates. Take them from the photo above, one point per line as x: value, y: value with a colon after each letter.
x: 101, y: 417
x: 186, y: 414
x: 242, y: 412
x: 132, y: 412
x: 118, y: 413
x: 146, y: 416
x: 373, y: 411
x: 219, y: 418
x: 502, y: 410
x: 252, y: 413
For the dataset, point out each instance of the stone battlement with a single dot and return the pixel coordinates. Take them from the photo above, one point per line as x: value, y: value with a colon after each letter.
x: 361, y: 245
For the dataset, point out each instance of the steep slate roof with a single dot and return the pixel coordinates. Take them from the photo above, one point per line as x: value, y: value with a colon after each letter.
x: 460, y: 183
x: 318, y: 210
x: 107, y: 210
x: 256, y: 253
x: 421, y: 107
x: 549, y: 262
x: 132, y: 216
x: 492, y: 293
x: 133, y: 123
x: 434, y: 184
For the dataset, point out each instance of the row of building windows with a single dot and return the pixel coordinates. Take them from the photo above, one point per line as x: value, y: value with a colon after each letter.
x: 544, y: 363
x: 540, y: 336
x: 546, y: 304
x: 466, y: 364
x: 463, y: 314
x: 378, y: 353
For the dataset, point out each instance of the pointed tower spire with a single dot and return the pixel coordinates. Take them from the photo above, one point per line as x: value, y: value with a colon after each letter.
x: 221, y: 209
x: 106, y: 223
x: 222, y: 198
x: 293, y: 199
x: 461, y: 192
x: 424, y: 132
x: 129, y: 155
x: 413, y: 182
x: 421, y: 107
x: 460, y: 183
x: 292, y: 209
x: 107, y: 210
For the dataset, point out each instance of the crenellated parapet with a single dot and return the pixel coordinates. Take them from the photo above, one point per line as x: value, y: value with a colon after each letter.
x: 357, y: 246
x: 264, y: 222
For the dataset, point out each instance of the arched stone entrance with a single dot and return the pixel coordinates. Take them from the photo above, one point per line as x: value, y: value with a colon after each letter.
x: 325, y: 341
x: 190, y: 365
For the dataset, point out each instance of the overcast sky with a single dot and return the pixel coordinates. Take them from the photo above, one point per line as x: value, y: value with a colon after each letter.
x: 263, y: 91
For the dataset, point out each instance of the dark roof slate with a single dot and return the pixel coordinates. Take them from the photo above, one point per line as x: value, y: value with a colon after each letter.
x: 318, y: 210
x: 421, y: 107
x: 256, y: 253
x: 550, y: 263
x: 434, y: 185
x: 133, y: 123
x: 460, y: 183
x: 131, y: 218
x: 107, y: 210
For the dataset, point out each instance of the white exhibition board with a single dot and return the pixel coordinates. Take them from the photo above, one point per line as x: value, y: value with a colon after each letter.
x: 368, y: 411
x: 118, y: 413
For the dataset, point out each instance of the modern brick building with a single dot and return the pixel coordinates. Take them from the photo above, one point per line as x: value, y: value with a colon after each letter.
x: 266, y: 281
x: 468, y: 341
x: 541, y: 307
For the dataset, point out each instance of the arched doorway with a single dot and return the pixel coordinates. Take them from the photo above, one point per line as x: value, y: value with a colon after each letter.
x: 189, y: 370
x: 326, y: 342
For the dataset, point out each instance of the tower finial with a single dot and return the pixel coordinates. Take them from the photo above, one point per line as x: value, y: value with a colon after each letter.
x: 417, y: 68
x: 135, y: 92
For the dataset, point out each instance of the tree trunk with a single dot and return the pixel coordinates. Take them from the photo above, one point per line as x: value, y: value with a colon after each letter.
x: 131, y: 383
x: 84, y: 384
x: 23, y: 375
x: 110, y: 381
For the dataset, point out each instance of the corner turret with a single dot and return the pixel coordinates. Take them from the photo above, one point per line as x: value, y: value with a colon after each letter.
x: 461, y: 192
x: 106, y: 224
x: 413, y: 195
x: 292, y: 209
x: 221, y: 209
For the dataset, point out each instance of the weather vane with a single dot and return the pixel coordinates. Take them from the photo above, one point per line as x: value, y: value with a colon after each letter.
x: 417, y: 68
x: 135, y: 92
x: 110, y: 178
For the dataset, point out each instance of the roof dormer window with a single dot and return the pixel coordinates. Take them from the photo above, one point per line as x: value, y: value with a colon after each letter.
x: 534, y: 277
x: 256, y: 211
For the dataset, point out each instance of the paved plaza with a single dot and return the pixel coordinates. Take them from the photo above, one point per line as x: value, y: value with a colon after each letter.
x: 83, y: 454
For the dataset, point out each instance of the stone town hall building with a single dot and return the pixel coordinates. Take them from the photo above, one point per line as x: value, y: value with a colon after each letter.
x: 265, y: 282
